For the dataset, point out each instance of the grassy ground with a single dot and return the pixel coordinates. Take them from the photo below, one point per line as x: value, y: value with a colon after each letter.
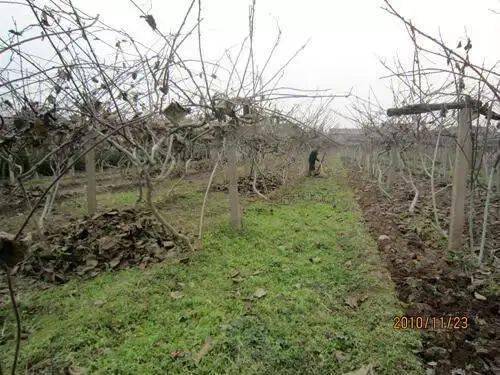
x: 187, y: 193
x: 300, y: 290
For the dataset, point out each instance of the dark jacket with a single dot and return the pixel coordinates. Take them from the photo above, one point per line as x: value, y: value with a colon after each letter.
x: 313, y: 157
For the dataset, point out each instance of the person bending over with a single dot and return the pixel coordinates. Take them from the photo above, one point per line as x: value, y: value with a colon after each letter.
x: 313, y: 158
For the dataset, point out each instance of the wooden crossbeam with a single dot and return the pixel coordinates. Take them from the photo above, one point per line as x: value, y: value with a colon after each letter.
x: 414, y: 109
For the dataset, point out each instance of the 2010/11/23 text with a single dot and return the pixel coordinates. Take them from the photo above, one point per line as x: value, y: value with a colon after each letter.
x: 431, y: 322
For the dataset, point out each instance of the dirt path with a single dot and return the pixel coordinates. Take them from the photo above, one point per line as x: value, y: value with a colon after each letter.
x: 433, y: 285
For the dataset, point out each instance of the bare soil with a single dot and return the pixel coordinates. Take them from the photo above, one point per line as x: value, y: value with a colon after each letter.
x: 431, y: 284
x: 264, y: 184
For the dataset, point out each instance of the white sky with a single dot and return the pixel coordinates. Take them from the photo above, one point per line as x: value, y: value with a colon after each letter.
x: 347, y: 38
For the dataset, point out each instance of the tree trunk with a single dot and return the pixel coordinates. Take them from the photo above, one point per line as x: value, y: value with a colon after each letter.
x: 47, y: 208
x: 205, y: 198
x: 169, y: 228
x: 254, y: 185
x: 12, y: 174
x: 433, y: 185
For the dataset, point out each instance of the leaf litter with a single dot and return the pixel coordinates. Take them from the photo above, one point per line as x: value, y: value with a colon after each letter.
x: 111, y: 240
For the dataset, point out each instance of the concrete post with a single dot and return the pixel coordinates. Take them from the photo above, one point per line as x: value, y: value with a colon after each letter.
x: 461, y: 171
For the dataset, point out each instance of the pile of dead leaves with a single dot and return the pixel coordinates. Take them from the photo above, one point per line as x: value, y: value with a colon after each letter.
x: 265, y: 184
x: 107, y: 241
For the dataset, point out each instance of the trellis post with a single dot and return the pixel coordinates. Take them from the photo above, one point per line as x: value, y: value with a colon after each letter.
x: 234, y: 204
x: 91, y: 180
x: 460, y: 172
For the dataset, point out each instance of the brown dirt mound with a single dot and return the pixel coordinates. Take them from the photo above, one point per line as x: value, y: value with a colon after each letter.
x: 265, y: 184
x: 107, y: 241
x: 432, y: 285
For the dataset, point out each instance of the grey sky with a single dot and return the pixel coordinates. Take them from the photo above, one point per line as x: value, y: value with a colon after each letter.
x: 347, y: 38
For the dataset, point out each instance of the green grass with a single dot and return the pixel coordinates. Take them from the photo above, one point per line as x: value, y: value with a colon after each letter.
x: 308, y: 250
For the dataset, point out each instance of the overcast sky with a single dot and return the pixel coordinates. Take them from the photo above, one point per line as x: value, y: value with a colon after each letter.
x: 346, y: 38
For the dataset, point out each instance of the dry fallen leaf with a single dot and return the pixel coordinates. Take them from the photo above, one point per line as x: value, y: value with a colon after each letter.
x: 107, y: 243
x: 177, y: 294
x: 259, y: 293
x: 75, y: 370
x: 115, y: 261
x: 176, y: 354
x: 365, y: 370
x: 234, y: 274
x: 150, y: 20
x: 204, y: 350
x: 168, y: 244
x: 352, y: 301
x: 479, y: 297
x: 237, y: 279
x: 340, y: 356
x: 91, y: 263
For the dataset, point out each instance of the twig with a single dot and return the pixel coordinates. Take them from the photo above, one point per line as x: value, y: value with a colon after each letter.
x: 205, y: 197
x: 15, y: 309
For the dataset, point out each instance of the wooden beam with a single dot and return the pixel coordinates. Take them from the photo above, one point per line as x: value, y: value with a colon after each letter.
x: 415, y: 109
x: 461, y: 171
